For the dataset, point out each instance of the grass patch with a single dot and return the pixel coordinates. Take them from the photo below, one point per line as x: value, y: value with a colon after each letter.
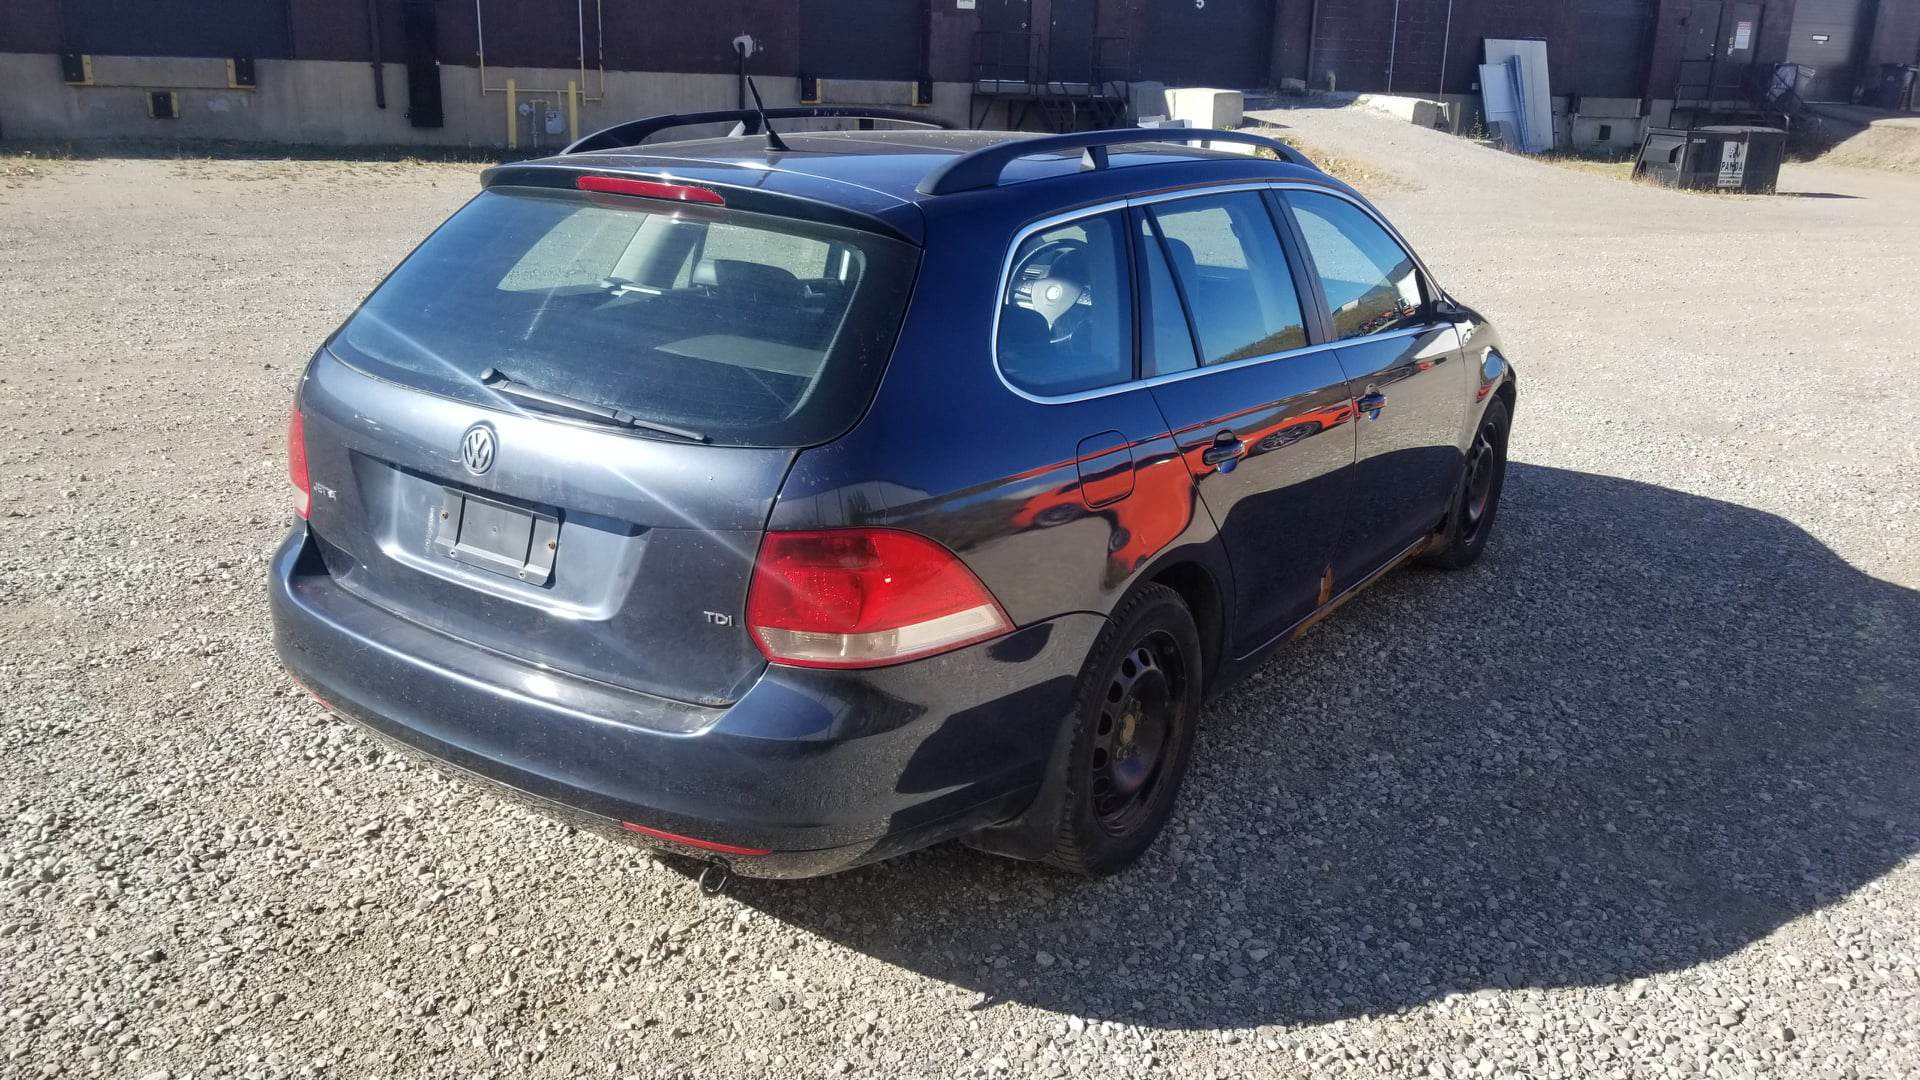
x: 22, y: 161
x: 223, y: 150
x: 1617, y: 164
x: 310, y: 170
x: 1354, y: 172
x: 18, y: 167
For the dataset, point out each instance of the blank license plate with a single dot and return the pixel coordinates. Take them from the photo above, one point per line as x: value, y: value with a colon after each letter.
x: 496, y: 536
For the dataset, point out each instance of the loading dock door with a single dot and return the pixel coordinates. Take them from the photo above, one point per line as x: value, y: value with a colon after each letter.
x: 859, y: 39
x: 1828, y: 36
x: 1070, y: 41
x: 1220, y: 43
x: 246, y: 28
x: 1006, y: 16
x: 1608, y: 59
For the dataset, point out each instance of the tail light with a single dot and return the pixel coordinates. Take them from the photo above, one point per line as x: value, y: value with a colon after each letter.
x: 649, y: 189
x: 297, y: 461
x: 853, y: 598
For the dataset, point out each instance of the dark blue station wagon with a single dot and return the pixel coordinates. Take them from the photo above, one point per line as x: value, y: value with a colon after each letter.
x: 792, y: 503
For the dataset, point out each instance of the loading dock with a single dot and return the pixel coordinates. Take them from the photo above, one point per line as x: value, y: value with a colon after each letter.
x: 1830, y: 37
x: 1225, y: 43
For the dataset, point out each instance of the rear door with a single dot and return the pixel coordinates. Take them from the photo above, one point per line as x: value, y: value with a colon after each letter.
x: 447, y: 490
x: 1411, y: 389
x: 1261, y: 415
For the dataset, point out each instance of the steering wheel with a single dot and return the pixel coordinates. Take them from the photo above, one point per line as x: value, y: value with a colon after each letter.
x: 1060, y: 291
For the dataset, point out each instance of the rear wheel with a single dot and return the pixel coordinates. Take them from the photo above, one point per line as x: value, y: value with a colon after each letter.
x: 1471, y: 521
x: 1134, y: 716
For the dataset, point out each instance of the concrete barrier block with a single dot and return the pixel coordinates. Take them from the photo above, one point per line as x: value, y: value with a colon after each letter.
x: 1205, y: 107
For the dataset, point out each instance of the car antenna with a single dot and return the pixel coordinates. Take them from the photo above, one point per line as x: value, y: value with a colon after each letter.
x: 774, y: 142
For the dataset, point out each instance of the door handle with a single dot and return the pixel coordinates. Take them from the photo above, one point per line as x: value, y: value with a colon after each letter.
x: 1371, y: 402
x: 1226, y: 447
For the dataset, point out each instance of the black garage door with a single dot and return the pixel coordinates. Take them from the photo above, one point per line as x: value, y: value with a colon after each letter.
x: 1828, y: 36
x: 860, y: 39
x: 176, y: 27
x: 1223, y: 43
x: 1610, y: 38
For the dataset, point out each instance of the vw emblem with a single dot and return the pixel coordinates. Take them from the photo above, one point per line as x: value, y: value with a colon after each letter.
x: 476, y: 449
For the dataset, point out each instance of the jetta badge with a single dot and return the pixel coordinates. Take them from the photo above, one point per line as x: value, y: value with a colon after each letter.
x: 476, y: 449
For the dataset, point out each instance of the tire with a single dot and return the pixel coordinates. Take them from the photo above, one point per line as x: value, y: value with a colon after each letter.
x: 1134, y: 716
x: 1470, y: 522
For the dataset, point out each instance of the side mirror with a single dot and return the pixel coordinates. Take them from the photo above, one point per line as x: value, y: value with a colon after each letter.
x: 1445, y: 308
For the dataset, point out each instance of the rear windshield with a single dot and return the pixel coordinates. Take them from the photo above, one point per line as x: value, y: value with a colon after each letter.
x: 749, y: 329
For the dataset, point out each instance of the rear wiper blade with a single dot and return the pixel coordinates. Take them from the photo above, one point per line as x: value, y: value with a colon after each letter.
x: 497, y: 381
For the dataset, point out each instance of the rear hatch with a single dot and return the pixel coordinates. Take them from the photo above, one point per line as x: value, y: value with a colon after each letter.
x: 557, y: 429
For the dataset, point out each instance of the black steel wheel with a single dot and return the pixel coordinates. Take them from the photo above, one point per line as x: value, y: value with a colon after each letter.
x: 1138, y: 715
x: 1482, y: 463
x: 1470, y: 523
x: 1134, y: 719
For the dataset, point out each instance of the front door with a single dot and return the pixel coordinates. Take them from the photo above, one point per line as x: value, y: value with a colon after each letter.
x: 1411, y: 389
x: 1263, y: 419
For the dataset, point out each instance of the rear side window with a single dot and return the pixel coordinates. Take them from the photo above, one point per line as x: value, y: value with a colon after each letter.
x: 1234, y: 275
x: 753, y: 330
x: 1371, y: 283
x: 1066, y: 320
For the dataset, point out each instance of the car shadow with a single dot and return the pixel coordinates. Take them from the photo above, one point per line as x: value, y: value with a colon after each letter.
x: 1648, y: 729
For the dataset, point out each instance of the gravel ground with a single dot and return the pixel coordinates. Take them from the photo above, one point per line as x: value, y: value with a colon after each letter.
x: 1634, y: 797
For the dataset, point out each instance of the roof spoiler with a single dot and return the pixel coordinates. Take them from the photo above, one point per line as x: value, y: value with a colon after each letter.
x: 746, y: 121
x: 982, y: 167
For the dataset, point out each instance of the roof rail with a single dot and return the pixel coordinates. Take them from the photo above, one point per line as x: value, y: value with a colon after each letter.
x: 633, y: 132
x: 982, y: 167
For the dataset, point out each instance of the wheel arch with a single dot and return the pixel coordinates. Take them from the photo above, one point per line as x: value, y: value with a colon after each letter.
x: 1200, y: 589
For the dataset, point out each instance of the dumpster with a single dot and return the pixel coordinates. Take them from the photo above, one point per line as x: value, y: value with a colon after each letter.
x: 1723, y: 157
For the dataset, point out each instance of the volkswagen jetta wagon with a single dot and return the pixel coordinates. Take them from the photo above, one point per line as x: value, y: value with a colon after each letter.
x: 795, y: 502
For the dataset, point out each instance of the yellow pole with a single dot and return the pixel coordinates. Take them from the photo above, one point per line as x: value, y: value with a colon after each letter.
x: 573, y: 110
x: 513, y: 117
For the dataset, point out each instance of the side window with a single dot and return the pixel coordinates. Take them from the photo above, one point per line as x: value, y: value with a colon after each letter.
x: 1234, y: 275
x: 1066, y: 321
x: 1167, y: 342
x: 1371, y: 282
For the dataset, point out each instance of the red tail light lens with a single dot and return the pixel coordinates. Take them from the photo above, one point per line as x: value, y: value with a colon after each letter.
x: 852, y: 598
x: 650, y: 189
x: 297, y: 461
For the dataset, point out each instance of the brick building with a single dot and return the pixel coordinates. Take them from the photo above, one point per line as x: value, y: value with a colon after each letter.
x: 439, y: 71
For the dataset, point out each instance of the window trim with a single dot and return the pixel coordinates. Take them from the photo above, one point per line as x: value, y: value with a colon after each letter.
x: 1289, y: 239
x: 1140, y: 216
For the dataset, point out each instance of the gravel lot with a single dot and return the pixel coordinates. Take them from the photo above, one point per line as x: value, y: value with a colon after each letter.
x: 1634, y: 797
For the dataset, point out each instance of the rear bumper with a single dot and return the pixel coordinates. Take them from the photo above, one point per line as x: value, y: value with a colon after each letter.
x: 825, y: 769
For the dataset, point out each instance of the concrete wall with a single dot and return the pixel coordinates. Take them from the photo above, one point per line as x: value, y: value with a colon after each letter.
x: 332, y: 102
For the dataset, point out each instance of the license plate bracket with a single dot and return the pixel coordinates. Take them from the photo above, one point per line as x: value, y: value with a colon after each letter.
x: 499, y: 537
